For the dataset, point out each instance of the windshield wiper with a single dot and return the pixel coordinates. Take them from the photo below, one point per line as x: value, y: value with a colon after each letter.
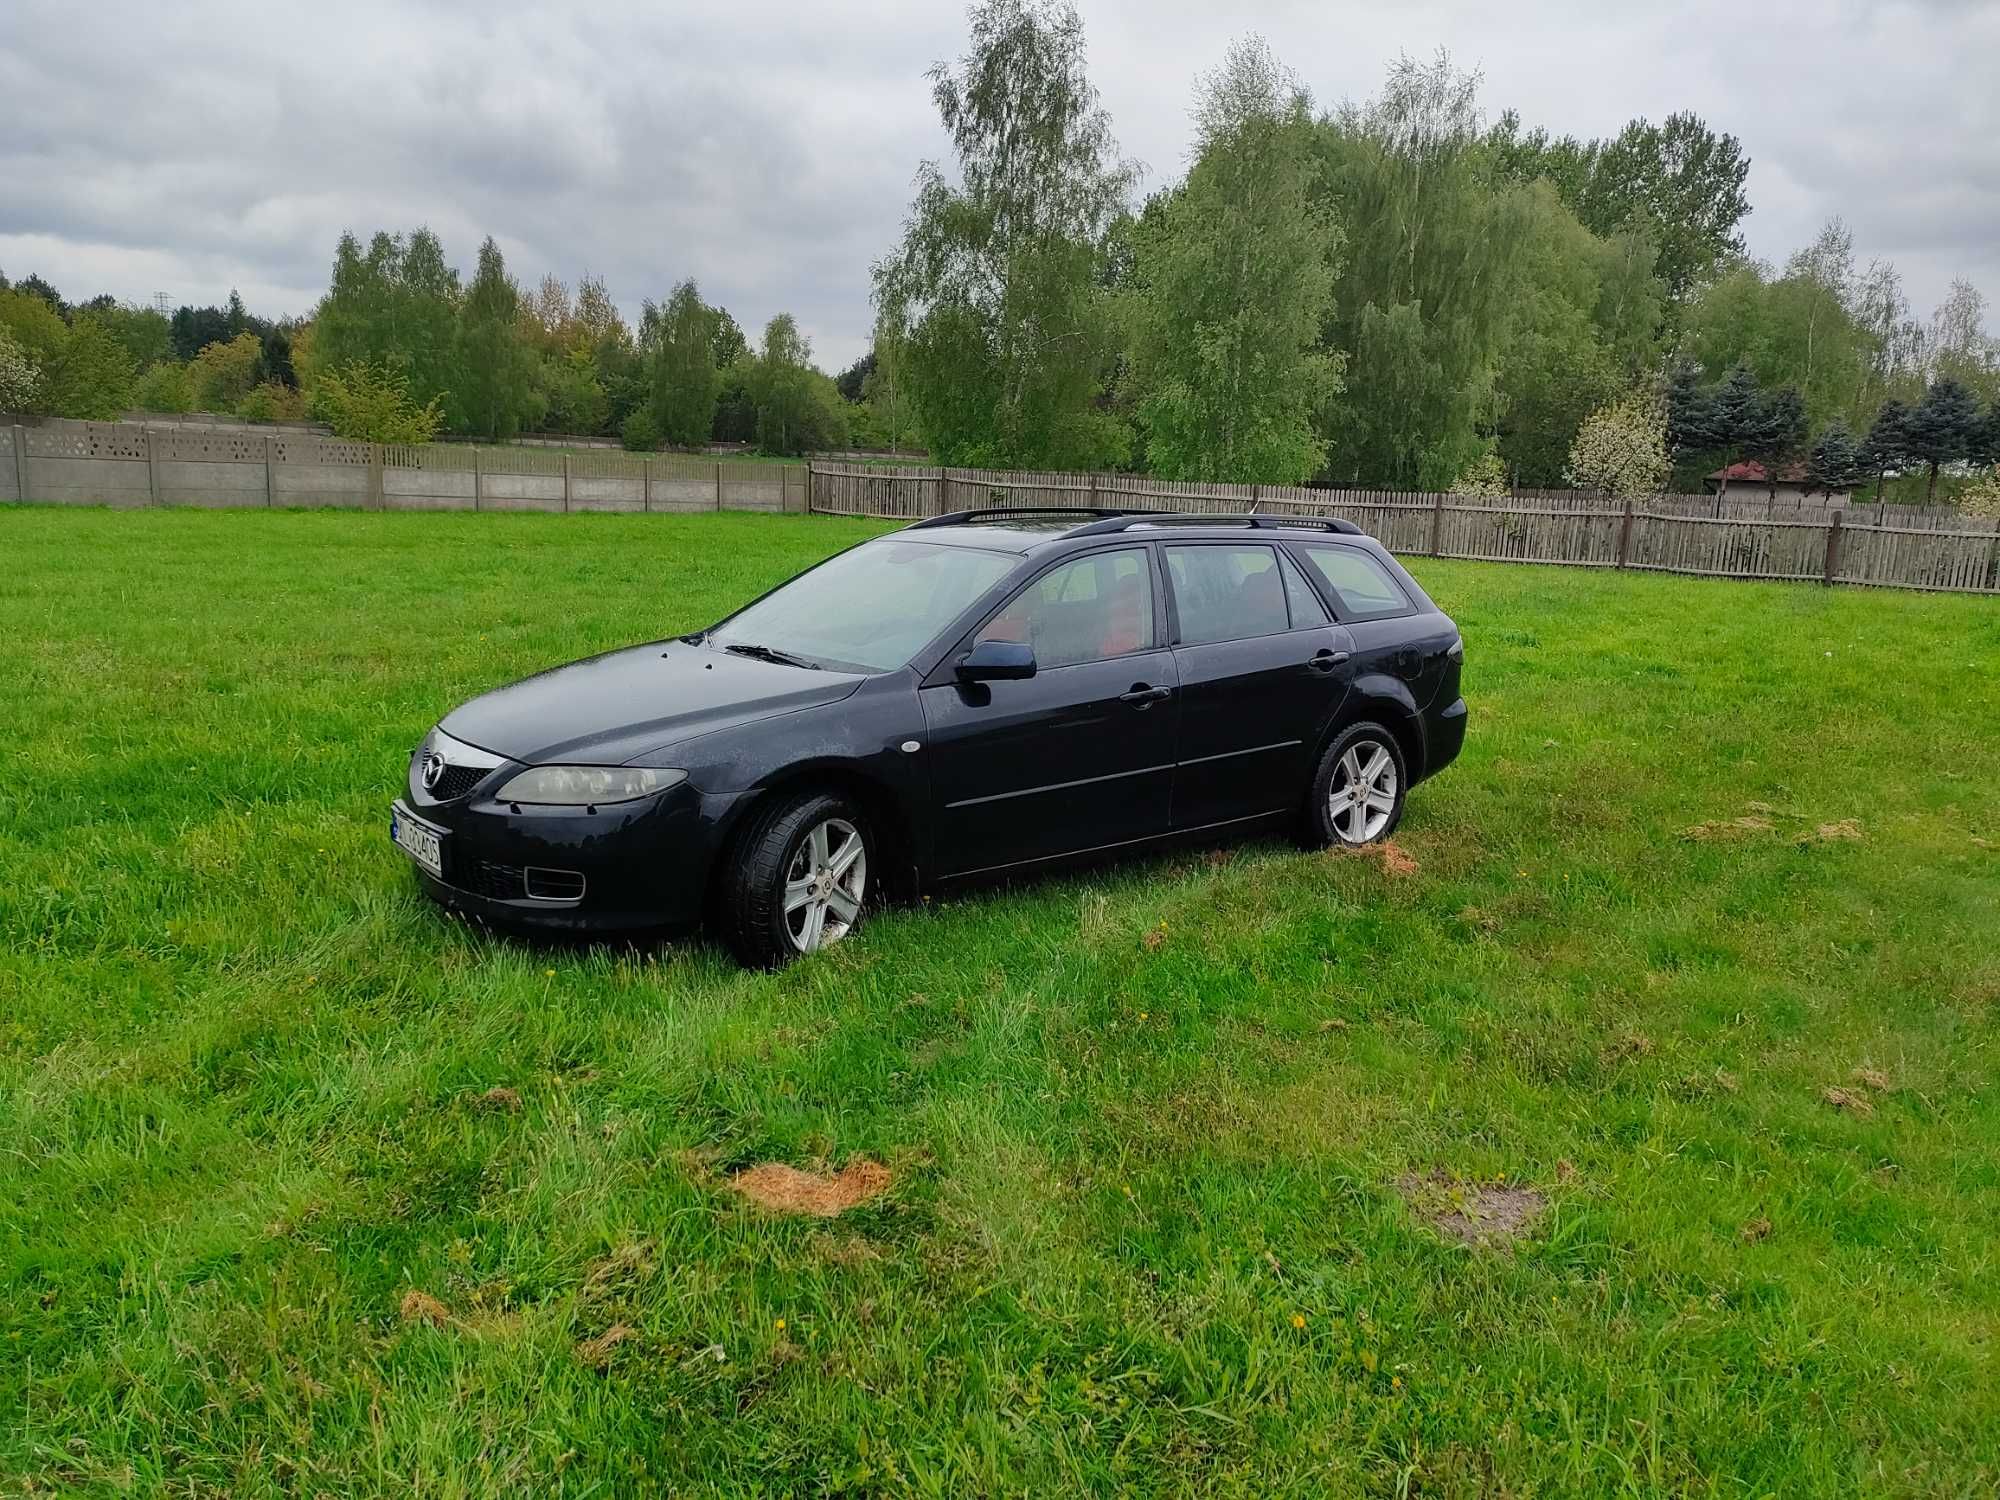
x: 771, y: 653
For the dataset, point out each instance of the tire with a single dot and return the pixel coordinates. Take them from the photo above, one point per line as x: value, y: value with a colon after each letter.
x: 1330, y: 815
x: 775, y: 861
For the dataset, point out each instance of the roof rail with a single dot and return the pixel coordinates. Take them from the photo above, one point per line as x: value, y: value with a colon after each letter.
x: 961, y: 517
x: 1255, y: 520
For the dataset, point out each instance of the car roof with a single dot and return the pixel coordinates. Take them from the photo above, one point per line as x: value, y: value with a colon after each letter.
x: 1025, y: 530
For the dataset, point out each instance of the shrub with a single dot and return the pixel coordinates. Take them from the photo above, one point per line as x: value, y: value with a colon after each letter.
x: 640, y: 433
x: 371, y: 403
x: 164, y: 387
x: 224, y: 372
x: 272, y: 401
x: 81, y: 370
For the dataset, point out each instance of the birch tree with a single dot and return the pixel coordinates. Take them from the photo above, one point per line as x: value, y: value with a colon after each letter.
x: 999, y: 275
x: 685, y: 381
x: 1423, y: 303
x: 1235, y: 279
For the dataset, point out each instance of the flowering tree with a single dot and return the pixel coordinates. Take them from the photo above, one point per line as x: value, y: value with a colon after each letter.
x: 20, y: 382
x: 1982, y: 497
x: 1485, y: 477
x: 1621, y: 448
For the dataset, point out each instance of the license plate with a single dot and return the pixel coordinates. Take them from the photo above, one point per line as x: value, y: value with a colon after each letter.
x: 418, y: 839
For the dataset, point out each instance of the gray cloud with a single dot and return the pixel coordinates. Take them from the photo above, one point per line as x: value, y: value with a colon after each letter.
x: 768, y: 149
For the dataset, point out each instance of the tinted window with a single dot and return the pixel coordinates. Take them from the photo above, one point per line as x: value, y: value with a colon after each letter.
x: 1097, y: 606
x: 1227, y: 593
x: 1307, y: 611
x: 1364, y: 587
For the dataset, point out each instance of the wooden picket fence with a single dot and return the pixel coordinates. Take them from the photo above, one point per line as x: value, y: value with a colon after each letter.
x: 1730, y: 536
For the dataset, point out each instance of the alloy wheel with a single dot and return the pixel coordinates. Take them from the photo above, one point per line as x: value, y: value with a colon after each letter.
x: 1363, y: 795
x: 825, y: 884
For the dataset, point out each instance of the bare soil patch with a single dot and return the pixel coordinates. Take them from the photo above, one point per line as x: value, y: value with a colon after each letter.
x: 1394, y: 859
x: 620, y: 1271
x: 595, y: 1353
x: 787, y: 1190
x: 1493, y: 1214
x: 422, y: 1307
x: 1729, y: 828
x: 1759, y: 817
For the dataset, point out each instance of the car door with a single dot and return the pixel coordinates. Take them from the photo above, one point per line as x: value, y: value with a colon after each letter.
x: 1263, y: 669
x: 1078, y: 756
x: 1376, y: 609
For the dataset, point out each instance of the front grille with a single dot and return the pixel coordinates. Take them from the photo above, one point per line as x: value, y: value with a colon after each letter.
x: 457, y: 781
x: 484, y: 877
x: 498, y: 882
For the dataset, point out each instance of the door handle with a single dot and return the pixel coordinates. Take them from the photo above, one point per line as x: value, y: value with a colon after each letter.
x: 1142, y: 696
x: 1326, y: 661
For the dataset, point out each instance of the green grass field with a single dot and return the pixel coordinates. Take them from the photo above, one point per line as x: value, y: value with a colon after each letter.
x: 1163, y: 1137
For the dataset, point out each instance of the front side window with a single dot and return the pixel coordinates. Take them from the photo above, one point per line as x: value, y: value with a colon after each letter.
x: 1364, y: 588
x: 1095, y: 607
x: 1227, y: 593
x: 870, y: 609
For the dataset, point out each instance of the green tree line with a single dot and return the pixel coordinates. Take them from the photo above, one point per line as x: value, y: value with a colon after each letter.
x: 401, y: 348
x: 1390, y: 293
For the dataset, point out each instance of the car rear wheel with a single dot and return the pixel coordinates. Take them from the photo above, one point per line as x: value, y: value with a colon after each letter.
x: 797, y: 879
x: 1357, y: 793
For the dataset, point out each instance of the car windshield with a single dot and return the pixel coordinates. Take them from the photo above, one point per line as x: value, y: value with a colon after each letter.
x: 868, y: 610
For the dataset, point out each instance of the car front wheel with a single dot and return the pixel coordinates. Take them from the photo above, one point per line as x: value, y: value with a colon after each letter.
x: 797, y: 879
x: 1357, y: 792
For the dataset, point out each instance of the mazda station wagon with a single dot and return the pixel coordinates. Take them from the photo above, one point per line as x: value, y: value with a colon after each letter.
x: 987, y: 693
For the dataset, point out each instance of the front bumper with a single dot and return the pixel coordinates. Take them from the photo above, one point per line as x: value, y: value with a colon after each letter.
x: 629, y: 866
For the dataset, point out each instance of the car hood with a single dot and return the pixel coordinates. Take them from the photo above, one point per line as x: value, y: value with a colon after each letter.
x: 605, y: 710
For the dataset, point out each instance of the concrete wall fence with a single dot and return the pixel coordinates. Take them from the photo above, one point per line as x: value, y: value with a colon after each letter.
x: 123, y: 464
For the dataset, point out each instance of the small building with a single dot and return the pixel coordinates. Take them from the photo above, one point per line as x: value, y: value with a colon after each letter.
x: 1750, y: 480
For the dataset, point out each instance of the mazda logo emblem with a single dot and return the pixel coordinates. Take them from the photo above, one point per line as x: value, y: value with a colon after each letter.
x: 433, y: 771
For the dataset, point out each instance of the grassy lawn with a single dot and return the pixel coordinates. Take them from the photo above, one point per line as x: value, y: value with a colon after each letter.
x: 1164, y: 1138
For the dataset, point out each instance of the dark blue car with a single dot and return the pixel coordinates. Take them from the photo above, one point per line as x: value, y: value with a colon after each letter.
x: 986, y: 692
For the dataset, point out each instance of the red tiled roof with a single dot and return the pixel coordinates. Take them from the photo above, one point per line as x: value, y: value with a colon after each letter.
x: 1752, y: 472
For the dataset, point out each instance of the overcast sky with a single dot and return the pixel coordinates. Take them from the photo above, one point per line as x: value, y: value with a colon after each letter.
x: 768, y: 149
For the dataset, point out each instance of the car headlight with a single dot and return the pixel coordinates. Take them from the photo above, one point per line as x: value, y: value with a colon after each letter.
x: 584, y: 786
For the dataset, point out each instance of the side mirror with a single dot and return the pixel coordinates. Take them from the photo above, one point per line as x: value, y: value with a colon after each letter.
x: 997, y: 661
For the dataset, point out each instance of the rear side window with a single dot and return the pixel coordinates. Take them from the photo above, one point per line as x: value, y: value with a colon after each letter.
x: 1227, y: 593
x: 1097, y: 606
x: 1307, y: 612
x: 1365, y: 588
